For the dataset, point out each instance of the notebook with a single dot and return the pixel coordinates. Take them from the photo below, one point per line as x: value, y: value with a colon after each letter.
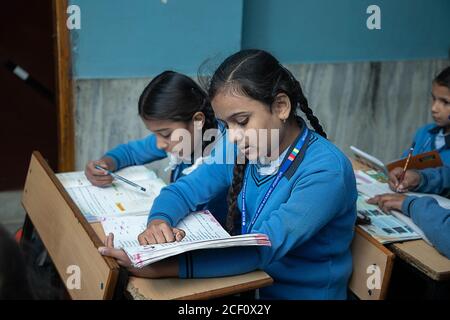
x: 202, y: 230
x: 393, y: 226
x: 119, y: 199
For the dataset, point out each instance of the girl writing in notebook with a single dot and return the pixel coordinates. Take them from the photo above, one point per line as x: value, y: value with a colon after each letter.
x: 304, y: 198
x: 171, y: 101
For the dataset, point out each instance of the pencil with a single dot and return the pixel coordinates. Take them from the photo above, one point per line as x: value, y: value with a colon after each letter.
x: 405, y: 167
x: 116, y: 176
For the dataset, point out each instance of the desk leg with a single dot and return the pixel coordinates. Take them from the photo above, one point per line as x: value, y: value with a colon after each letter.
x: 27, y: 232
x: 437, y: 290
x: 120, y: 292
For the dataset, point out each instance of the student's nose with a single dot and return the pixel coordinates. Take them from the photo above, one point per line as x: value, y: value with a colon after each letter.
x: 435, y: 107
x: 161, y: 144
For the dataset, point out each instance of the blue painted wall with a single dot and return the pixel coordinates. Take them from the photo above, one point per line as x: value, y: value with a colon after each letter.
x: 141, y: 38
x: 335, y: 30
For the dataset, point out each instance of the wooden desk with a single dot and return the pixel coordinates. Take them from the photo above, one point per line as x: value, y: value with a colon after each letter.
x: 418, y: 253
x: 186, y: 289
x: 72, y: 242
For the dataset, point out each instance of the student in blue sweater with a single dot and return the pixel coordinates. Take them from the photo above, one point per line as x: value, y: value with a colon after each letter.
x: 424, y: 211
x: 435, y: 136
x: 171, y: 101
x: 303, y: 198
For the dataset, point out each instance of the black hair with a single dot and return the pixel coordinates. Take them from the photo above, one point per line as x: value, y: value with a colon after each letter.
x: 176, y: 97
x: 258, y: 75
x: 14, y: 281
x: 443, y: 78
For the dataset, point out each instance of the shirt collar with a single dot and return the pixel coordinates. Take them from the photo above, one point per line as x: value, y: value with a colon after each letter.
x: 435, y: 130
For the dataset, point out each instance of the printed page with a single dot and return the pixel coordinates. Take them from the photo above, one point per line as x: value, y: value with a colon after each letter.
x: 116, y: 200
x: 125, y: 229
x: 385, y: 227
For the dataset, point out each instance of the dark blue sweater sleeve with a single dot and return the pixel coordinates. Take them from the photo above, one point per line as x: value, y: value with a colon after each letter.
x: 136, y: 152
x: 434, y: 180
x: 433, y: 219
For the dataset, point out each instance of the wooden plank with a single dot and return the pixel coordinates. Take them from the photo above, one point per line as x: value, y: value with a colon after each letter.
x: 67, y: 236
x: 189, y: 289
x: 366, y: 252
x: 64, y: 88
x: 424, y: 257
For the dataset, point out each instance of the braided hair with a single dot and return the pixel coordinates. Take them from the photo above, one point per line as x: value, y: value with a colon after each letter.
x: 258, y: 75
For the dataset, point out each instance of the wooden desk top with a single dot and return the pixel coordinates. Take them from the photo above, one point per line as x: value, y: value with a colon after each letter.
x: 189, y: 289
x: 418, y: 253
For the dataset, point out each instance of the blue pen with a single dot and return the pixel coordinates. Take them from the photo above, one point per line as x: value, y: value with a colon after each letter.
x: 116, y: 176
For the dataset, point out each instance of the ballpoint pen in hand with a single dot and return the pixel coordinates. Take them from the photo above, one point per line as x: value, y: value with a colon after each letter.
x: 116, y: 176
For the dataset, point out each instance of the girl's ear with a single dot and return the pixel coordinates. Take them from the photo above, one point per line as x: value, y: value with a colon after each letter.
x: 199, y: 120
x: 282, y: 106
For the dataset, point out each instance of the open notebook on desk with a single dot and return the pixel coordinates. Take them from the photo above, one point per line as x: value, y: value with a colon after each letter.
x: 116, y: 200
x: 202, y: 232
x: 392, y: 227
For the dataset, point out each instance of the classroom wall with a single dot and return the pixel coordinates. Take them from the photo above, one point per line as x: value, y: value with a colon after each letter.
x: 299, y: 31
x: 369, y: 89
x: 138, y: 38
x: 376, y: 106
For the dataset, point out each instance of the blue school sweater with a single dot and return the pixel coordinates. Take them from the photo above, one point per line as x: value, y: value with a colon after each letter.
x: 309, y: 219
x: 425, y: 138
x: 429, y: 216
x: 145, y: 150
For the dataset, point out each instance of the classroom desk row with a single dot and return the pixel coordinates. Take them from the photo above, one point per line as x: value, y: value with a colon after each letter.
x: 70, y: 239
x: 423, y: 258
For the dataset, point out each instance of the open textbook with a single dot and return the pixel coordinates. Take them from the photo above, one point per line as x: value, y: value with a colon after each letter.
x: 202, y: 232
x: 115, y: 200
x: 394, y: 226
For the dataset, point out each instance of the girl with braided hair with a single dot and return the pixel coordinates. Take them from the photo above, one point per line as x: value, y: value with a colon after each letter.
x: 171, y: 101
x: 304, y: 199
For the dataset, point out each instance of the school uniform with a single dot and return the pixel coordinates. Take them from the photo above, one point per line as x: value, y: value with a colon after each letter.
x: 309, y: 218
x: 429, y: 216
x: 145, y: 150
x: 431, y: 137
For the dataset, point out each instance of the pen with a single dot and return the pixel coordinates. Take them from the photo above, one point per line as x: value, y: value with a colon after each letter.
x: 405, y: 167
x: 116, y: 176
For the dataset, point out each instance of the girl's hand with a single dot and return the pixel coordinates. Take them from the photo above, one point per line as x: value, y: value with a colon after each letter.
x: 388, y: 201
x: 98, y: 177
x: 162, y: 269
x: 158, y: 231
x: 410, y: 181
x: 118, y: 254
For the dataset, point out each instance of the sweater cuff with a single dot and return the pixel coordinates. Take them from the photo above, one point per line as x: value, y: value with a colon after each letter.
x: 423, y: 181
x: 114, y: 159
x: 406, y: 206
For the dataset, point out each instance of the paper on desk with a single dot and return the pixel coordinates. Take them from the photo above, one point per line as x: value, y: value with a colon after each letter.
x: 197, y: 227
x: 117, y: 199
x: 388, y: 227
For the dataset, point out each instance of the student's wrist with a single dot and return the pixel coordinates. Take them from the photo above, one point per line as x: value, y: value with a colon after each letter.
x: 110, y: 162
x: 422, y: 181
x: 407, y: 204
